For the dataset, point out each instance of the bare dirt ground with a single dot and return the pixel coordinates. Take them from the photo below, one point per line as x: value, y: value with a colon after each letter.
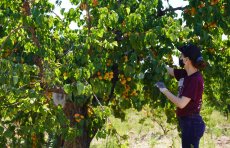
x: 223, y: 142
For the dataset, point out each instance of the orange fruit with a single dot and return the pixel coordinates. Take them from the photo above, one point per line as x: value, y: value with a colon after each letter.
x: 201, y: 5
x: 121, y: 76
x: 111, y: 73
x: 78, y: 120
x: 123, y: 24
x: 123, y: 81
x: 212, y: 25
x: 76, y: 115
x: 95, y: 2
x: 214, y: 2
x: 129, y: 79
x: 193, y: 11
x: 126, y: 58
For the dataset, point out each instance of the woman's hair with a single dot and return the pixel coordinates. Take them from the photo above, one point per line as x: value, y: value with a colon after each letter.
x: 199, y: 63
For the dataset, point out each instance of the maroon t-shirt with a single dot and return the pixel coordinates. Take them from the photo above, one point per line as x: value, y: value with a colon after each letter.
x: 192, y: 87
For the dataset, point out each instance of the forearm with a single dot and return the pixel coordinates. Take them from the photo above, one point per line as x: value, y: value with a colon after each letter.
x: 174, y: 99
x: 170, y: 71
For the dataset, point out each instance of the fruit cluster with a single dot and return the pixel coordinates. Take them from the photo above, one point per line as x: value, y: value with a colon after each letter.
x: 124, y: 80
x: 78, y: 117
x: 193, y: 10
x: 89, y: 111
x: 107, y: 76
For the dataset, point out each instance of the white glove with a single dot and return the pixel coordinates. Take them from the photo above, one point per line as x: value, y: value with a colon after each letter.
x: 161, y: 86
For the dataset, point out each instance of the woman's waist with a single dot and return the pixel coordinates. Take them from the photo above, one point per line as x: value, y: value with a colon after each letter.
x: 191, y: 116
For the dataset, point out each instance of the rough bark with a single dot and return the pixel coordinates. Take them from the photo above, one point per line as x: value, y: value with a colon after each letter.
x: 84, y: 140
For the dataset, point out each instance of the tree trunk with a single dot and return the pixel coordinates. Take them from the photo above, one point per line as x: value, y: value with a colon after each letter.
x: 82, y: 141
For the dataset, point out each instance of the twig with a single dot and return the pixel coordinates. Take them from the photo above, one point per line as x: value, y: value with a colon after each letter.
x: 56, y: 15
x: 96, y: 97
x: 103, y: 109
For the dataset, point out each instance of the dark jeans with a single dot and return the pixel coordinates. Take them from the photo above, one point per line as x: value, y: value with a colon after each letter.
x: 192, y: 129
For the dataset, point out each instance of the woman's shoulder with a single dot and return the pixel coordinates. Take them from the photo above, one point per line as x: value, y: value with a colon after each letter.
x: 195, y: 78
x: 180, y: 73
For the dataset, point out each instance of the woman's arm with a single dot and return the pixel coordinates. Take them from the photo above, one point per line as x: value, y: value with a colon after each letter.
x: 170, y: 71
x: 179, y: 102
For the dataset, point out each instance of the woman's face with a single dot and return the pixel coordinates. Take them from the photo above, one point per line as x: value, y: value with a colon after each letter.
x: 183, y: 60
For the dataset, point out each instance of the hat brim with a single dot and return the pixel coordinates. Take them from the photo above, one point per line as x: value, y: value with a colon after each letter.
x: 181, y: 49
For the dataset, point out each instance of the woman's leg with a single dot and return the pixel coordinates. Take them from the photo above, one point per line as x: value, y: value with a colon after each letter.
x: 186, y: 130
x: 192, y: 129
x: 198, y: 128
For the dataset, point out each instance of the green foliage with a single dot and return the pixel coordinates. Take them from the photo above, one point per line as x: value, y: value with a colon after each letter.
x: 116, y: 56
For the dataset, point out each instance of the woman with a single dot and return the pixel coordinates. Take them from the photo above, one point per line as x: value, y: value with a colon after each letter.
x: 189, y: 98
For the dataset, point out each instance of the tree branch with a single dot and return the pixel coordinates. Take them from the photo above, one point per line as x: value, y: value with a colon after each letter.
x: 27, y: 12
x: 88, y: 18
x: 164, y: 12
x: 56, y: 15
x: 174, y: 9
x: 38, y: 60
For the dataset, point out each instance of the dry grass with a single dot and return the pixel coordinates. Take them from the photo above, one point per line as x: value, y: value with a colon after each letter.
x: 149, y: 134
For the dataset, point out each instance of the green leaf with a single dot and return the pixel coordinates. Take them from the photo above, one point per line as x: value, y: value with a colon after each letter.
x: 115, y: 43
x: 128, y: 10
x: 1, y: 129
x: 71, y: 12
x: 100, y: 33
x: 67, y: 88
x: 80, y: 88
x: 62, y: 11
x: 57, y: 72
x: 15, y: 80
x: 35, y: 12
x: 8, y: 133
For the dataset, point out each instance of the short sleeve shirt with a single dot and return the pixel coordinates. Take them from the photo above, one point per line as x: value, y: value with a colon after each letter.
x: 192, y: 87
